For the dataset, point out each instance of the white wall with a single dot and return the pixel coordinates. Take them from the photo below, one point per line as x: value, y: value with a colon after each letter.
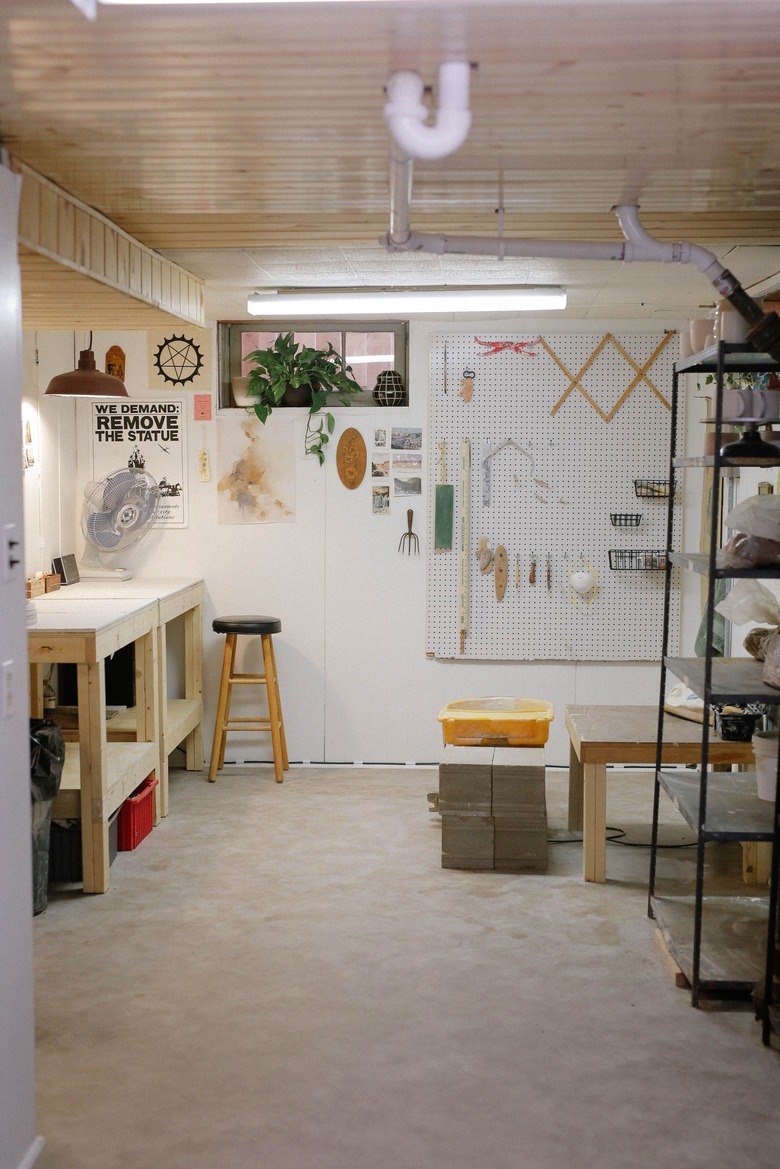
x: 356, y: 684
x: 18, y: 1143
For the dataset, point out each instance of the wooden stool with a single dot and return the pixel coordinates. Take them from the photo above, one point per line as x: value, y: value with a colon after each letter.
x: 235, y: 627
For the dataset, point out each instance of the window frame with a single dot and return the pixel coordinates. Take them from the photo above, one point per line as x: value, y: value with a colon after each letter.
x: 229, y: 351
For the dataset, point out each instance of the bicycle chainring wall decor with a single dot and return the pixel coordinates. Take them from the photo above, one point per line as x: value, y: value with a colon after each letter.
x: 180, y: 359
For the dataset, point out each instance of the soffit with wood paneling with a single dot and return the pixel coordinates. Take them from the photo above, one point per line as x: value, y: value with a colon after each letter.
x: 262, y: 128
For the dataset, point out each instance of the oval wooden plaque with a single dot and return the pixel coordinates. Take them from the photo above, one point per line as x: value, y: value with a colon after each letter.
x: 351, y: 458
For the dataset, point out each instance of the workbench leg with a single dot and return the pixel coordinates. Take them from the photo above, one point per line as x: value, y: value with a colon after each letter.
x: 575, y: 791
x: 93, y: 775
x: 162, y: 708
x: 146, y: 702
x: 594, y: 828
x: 193, y: 683
x: 37, y: 673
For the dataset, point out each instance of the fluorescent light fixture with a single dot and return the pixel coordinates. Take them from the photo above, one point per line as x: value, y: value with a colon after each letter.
x: 167, y: 3
x: 386, y: 302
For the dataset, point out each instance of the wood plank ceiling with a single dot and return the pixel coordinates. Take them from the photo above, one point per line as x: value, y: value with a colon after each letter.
x: 260, y: 128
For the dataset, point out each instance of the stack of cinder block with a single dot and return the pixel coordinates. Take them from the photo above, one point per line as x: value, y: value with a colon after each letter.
x: 493, y: 809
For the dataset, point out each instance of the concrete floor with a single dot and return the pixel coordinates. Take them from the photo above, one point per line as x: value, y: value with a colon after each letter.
x: 284, y: 977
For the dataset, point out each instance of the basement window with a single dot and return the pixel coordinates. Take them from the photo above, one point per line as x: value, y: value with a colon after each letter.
x: 370, y: 347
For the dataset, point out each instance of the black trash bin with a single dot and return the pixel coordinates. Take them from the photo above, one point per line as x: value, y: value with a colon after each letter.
x: 47, y: 755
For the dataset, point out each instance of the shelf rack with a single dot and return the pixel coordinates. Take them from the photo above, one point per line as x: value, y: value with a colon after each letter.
x: 734, y: 955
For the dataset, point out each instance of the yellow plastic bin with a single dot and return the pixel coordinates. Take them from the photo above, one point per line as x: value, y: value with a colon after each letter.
x: 496, y: 722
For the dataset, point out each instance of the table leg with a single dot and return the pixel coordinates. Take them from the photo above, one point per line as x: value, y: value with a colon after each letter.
x: 36, y: 689
x: 93, y: 769
x: 193, y: 682
x: 575, y: 791
x: 594, y: 829
x: 146, y: 701
x: 756, y: 861
x: 162, y: 706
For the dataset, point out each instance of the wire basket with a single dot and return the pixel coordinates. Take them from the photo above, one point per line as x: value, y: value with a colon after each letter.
x: 620, y: 519
x: 637, y: 559
x: 652, y: 488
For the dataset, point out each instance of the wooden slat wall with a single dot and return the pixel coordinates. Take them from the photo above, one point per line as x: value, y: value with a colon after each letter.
x: 64, y: 231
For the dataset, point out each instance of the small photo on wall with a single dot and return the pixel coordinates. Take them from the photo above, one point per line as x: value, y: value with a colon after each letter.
x: 407, y: 461
x: 380, y: 437
x: 380, y: 500
x: 406, y: 438
x: 407, y: 484
x: 380, y: 465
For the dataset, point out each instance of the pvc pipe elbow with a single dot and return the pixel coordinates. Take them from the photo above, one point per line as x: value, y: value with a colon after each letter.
x: 406, y: 114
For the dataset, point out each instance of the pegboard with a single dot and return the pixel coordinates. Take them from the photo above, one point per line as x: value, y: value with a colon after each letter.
x: 586, y: 416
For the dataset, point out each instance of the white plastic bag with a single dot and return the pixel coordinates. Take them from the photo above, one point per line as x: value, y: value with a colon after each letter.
x: 749, y: 600
x: 758, y: 515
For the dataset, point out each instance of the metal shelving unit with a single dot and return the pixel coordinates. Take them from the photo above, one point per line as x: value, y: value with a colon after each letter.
x: 725, y: 944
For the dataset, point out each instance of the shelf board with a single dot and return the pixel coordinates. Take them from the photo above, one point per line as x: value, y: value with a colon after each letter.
x: 736, y: 680
x: 734, y: 935
x: 734, y: 811
x: 127, y: 765
x: 736, y: 359
x: 727, y: 465
x: 700, y: 562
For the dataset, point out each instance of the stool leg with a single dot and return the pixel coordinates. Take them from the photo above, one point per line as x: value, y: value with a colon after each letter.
x: 282, y: 736
x: 274, y: 708
x: 229, y: 700
x: 220, y: 734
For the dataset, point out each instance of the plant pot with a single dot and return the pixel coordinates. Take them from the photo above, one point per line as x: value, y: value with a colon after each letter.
x: 238, y: 386
x: 296, y: 396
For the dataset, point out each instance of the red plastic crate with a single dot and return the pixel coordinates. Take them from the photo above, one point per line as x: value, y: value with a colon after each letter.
x: 136, y: 816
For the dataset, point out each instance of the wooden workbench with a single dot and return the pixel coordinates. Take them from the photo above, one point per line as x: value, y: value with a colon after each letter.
x: 625, y: 734
x: 177, y: 719
x: 98, y: 776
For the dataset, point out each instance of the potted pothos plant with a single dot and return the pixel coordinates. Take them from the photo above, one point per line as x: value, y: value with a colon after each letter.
x: 291, y: 374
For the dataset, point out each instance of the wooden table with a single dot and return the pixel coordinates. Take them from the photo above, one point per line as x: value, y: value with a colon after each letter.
x: 624, y: 734
x: 179, y: 719
x: 98, y: 776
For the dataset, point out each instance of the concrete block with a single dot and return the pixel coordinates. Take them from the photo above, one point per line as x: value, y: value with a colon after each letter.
x: 465, y: 780
x: 518, y: 782
x: 520, y: 845
x: 466, y: 841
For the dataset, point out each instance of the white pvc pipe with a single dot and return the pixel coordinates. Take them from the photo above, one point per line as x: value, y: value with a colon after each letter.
x: 406, y: 114
x: 645, y: 247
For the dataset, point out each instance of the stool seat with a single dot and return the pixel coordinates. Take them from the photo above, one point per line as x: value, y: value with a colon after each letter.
x: 250, y: 625
x: 233, y: 628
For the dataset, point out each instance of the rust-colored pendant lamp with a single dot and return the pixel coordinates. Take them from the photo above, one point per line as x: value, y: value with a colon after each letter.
x: 86, y: 381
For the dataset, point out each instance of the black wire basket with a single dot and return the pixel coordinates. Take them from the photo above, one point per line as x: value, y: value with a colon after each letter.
x: 652, y: 488
x: 637, y: 559
x: 621, y: 519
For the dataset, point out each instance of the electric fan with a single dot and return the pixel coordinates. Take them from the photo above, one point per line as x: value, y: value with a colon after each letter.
x: 117, y: 513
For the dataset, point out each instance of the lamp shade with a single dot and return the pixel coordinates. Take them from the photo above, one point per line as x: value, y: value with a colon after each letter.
x: 86, y: 381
